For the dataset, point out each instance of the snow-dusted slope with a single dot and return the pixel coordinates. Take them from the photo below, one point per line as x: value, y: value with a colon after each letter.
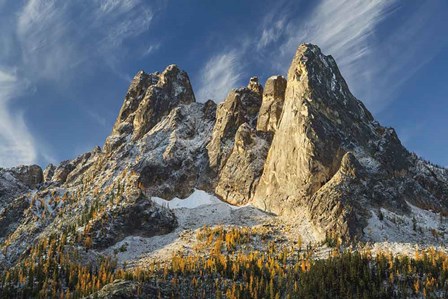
x: 303, y: 159
x: 198, y: 210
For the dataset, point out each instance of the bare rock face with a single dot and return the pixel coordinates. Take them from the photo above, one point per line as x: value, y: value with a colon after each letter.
x: 49, y: 172
x: 140, y: 217
x: 119, y: 289
x: 239, y: 176
x: 149, y: 98
x: 14, y: 182
x: 31, y: 176
x: 328, y: 205
x: 133, y: 98
x: 69, y: 171
x: 241, y: 106
x: 129, y: 289
x: 325, y: 139
x: 62, y: 171
x: 176, y: 159
x: 237, y: 151
x: 173, y: 88
x: 255, y: 86
x: 272, y: 105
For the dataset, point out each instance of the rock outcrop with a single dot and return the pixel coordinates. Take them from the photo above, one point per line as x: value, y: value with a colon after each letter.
x: 139, y: 217
x: 272, y: 106
x: 301, y: 147
x: 239, y: 176
x: 237, y: 150
x: 16, y: 181
x: 176, y: 158
x: 30, y: 176
x: 149, y: 99
x: 325, y: 140
x: 241, y: 106
x: 48, y: 172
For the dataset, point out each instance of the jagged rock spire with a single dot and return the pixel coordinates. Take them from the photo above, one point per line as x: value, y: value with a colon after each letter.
x: 321, y: 122
x: 150, y: 97
x: 241, y: 106
x: 304, y: 147
x: 272, y: 106
x: 255, y: 86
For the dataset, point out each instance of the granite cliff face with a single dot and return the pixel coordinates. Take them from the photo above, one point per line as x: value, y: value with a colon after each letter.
x: 330, y: 157
x: 301, y: 147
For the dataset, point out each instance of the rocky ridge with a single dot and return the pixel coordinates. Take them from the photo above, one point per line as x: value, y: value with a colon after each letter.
x: 332, y: 158
x: 303, y: 148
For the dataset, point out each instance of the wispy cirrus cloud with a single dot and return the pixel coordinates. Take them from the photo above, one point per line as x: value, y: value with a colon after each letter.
x: 151, y: 49
x: 56, y: 36
x: 346, y: 30
x: 272, y: 33
x: 51, y: 41
x: 17, y: 144
x: 413, y: 43
x: 374, y: 66
x: 219, y: 74
x: 341, y: 28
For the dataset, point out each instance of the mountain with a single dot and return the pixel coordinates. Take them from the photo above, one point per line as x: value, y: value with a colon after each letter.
x: 330, y: 157
x: 297, y: 156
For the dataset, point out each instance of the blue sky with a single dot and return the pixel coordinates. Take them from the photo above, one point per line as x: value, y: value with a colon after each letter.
x: 66, y: 65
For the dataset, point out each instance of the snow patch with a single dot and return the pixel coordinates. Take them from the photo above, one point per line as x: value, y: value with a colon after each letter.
x: 196, y: 199
x: 419, y: 227
x: 194, y: 212
x: 366, y: 160
x: 178, y: 89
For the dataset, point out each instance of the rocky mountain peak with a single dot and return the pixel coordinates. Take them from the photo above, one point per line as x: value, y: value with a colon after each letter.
x: 177, y: 84
x: 150, y: 98
x: 324, y: 135
x: 302, y: 148
x: 31, y: 175
x: 319, y: 77
x: 255, y: 86
x: 240, y: 106
x: 272, y: 105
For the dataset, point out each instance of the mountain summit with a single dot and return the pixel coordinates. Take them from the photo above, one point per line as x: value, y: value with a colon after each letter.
x: 300, y: 149
x: 330, y: 157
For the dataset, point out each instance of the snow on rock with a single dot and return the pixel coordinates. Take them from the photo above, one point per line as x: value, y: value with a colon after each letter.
x: 196, y: 199
x: 366, y: 160
x: 418, y: 227
x: 194, y: 212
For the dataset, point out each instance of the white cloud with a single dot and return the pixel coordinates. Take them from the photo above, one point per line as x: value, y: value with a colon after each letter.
x: 151, y: 49
x: 271, y: 33
x: 51, y: 40
x: 375, y: 66
x: 219, y: 75
x: 42, y: 31
x: 56, y: 36
x: 394, y: 60
x: 6, y: 78
x: 345, y: 29
x: 17, y: 144
x: 342, y: 28
x: 101, y: 120
x: 114, y: 6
